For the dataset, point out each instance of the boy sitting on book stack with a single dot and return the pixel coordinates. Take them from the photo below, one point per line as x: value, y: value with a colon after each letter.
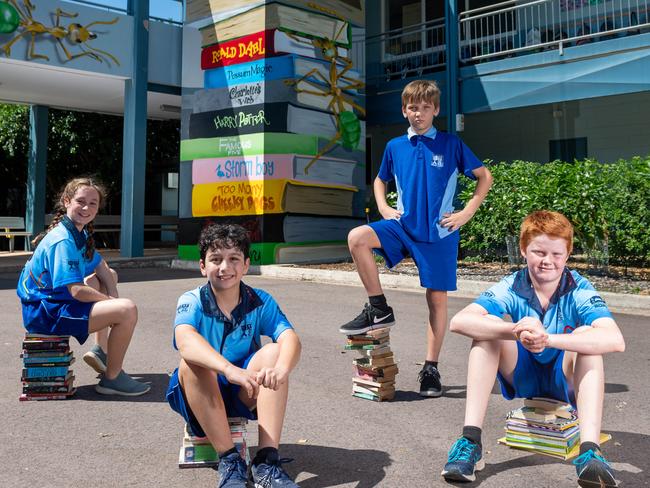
x: 553, y: 348
x: 224, y: 369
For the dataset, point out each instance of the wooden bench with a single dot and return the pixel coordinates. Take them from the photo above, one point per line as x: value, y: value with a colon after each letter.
x: 106, y: 224
x: 11, y: 227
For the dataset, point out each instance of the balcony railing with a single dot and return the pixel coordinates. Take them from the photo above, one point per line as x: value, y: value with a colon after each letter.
x: 169, y: 11
x: 411, y: 51
x: 512, y: 28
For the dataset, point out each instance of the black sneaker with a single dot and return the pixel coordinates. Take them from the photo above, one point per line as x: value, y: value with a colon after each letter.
x: 370, y: 318
x: 429, y: 378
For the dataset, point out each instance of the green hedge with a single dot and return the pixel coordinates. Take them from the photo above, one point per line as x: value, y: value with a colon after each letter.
x: 609, y: 205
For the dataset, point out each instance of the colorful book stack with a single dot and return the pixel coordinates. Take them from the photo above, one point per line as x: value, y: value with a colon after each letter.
x: 197, y: 452
x: 545, y: 426
x: 272, y: 130
x: 46, y: 368
x: 375, y: 370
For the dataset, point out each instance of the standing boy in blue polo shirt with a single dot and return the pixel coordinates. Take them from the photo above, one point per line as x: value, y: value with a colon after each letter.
x: 425, y: 165
x: 553, y: 348
x: 224, y: 369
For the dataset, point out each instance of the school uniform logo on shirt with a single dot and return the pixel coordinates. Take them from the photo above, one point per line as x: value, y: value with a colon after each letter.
x: 183, y: 308
x: 437, y: 161
x: 246, y: 330
x: 73, y: 264
x: 597, y: 302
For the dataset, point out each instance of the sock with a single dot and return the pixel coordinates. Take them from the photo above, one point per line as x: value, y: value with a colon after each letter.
x: 472, y: 433
x: 264, y: 454
x: 378, y: 301
x: 431, y: 363
x: 586, y: 446
x: 229, y: 452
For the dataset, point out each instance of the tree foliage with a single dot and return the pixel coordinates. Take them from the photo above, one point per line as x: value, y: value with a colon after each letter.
x: 79, y: 143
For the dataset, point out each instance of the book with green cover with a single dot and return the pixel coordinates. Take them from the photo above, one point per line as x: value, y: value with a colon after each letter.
x: 264, y: 143
x: 575, y: 450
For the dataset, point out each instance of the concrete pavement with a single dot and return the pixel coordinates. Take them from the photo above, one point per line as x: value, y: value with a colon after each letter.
x: 335, y: 439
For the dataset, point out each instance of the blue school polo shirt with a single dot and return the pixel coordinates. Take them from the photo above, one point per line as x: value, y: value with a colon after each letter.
x: 237, y: 338
x: 425, y: 169
x: 575, y: 303
x: 58, y: 260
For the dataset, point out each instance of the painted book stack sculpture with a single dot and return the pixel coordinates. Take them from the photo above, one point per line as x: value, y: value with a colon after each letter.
x: 545, y: 426
x: 46, y: 368
x: 197, y: 452
x: 272, y: 130
x: 375, y: 369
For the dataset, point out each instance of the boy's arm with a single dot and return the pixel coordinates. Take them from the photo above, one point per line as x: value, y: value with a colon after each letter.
x: 475, y: 322
x: 386, y: 211
x: 454, y: 221
x: 194, y: 349
x: 288, y: 357
x: 85, y: 293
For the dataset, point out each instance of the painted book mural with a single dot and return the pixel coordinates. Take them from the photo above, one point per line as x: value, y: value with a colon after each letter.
x: 272, y: 126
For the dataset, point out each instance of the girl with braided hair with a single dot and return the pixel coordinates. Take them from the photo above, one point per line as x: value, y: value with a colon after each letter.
x: 66, y: 288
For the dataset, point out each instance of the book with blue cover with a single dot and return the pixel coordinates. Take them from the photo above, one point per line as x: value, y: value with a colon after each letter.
x: 277, y: 68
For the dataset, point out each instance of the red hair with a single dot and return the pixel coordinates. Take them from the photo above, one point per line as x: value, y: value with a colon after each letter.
x: 553, y: 224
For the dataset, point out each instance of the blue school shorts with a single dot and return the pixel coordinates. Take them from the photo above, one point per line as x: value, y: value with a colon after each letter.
x: 436, y: 261
x: 534, y: 379
x: 229, y: 392
x: 58, y: 318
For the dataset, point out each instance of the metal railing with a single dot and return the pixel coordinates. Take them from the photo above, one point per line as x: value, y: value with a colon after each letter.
x: 512, y: 27
x: 158, y: 8
x: 410, y: 51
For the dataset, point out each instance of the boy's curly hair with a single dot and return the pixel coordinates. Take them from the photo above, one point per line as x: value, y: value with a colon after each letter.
x: 419, y: 91
x: 224, y: 236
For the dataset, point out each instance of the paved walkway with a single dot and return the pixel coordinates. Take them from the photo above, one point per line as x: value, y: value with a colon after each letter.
x: 335, y: 439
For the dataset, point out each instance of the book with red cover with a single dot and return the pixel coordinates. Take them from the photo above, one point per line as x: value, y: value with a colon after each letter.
x: 267, y: 43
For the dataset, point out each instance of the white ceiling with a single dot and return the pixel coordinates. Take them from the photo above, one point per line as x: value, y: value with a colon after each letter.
x: 40, y: 84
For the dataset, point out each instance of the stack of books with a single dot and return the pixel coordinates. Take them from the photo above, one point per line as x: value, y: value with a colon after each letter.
x: 197, y: 452
x: 46, y: 368
x: 545, y: 426
x: 272, y: 125
x: 375, y: 370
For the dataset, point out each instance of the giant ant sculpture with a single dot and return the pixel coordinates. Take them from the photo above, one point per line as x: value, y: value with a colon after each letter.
x: 348, y: 127
x: 12, y: 16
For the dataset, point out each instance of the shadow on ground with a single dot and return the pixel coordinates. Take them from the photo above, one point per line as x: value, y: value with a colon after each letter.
x: 626, y: 452
x: 157, y: 381
x: 331, y: 466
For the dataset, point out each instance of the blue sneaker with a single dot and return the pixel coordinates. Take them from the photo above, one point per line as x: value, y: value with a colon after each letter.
x: 594, y: 470
x: 463, y: 460
x: 271, y: 475
x: 232, y: 472
x: 96, y: 359
x: 122, y: 384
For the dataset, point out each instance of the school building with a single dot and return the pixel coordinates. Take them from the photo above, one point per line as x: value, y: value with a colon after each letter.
x: 534, y: 80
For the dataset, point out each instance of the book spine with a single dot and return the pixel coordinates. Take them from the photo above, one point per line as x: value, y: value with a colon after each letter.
x: 45, y: 345
x: 45, y: 372
x: 249, y: 145
x: 243, y: 50
x: 261, y: 143
x: 262, y: 70
x: 268, y: 117
x: 236, y: 169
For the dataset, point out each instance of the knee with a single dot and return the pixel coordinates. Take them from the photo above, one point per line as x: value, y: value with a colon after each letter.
x: 128, y: 310
x: 268, y: 355
x: 358, y: 237
x: 189, y: 374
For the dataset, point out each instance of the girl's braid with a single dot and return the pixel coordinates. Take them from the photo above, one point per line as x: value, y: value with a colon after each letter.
x: 59, y: 213
x: 90, y: 240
